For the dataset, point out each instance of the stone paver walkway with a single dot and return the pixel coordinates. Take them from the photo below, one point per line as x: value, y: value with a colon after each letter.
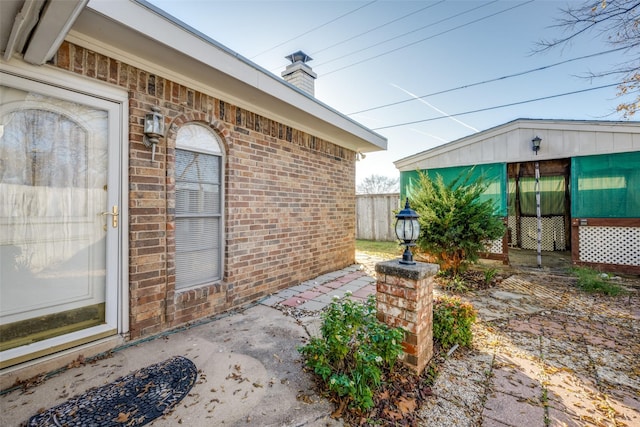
x: 544, y: 354
x: 315, y: 295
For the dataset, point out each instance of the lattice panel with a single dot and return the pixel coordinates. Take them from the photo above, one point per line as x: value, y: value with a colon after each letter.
x: 511, y: 223
x: 495, y: 246
x: 610, y: 245
x: 552, y: 233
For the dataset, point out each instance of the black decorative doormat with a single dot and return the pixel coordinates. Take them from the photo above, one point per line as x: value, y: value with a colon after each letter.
x: 133, y: 400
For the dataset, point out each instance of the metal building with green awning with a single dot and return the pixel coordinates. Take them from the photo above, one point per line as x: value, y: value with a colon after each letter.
x: 588, y: 183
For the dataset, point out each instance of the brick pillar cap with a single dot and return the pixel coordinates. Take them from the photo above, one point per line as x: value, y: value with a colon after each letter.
x: 417, y: 271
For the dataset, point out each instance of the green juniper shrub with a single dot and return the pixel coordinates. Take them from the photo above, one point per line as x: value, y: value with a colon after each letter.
x: 456, y: 221
x: 353, y: 350
x: 452, y: 320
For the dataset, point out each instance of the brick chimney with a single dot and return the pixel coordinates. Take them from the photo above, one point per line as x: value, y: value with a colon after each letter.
x: 299, y: 74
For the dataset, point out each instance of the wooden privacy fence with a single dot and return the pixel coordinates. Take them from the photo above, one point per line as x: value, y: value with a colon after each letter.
x: 375, y: 217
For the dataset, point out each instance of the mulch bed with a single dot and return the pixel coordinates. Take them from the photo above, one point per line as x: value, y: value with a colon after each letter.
x: 396, y: 402
x: 133, y: 400
x: 474, y: 280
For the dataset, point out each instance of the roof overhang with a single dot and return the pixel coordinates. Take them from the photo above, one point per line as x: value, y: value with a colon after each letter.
x: 55, y: 21
x: 437, y: 154
x: 141, y: 35
x: 38, y: 27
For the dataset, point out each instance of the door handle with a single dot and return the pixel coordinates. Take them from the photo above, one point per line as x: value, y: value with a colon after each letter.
x: 114, y: 216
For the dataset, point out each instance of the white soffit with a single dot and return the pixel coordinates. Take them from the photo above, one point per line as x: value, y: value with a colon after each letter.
x: 55, y: 21
x: 21, y: 18
x: 140, y: 35
x: 523, y: 129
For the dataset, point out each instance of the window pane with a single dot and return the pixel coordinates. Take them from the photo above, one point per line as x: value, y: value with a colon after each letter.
x: 197, y: 167
x: 197, y: 251
x: 198, y: 138
x: 198, y: 215
x: 196, y: 233
x: 197, y: 199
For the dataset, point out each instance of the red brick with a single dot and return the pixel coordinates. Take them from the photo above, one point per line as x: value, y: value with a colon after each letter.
x: 290, y: 206
x: 407, y: 304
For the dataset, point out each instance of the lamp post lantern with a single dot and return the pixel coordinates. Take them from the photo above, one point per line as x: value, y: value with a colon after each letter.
x: 407, y: 230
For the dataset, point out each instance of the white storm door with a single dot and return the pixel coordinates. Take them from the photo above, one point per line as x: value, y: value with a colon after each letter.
x: 60, y: 206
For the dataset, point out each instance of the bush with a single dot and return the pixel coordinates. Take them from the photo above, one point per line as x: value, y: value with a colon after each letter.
x: 455, y: 224
x: 590, y: 280
x: 452, y: 320
x: 353, y: 350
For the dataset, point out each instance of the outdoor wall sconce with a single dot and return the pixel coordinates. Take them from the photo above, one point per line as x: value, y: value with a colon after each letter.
x: 407, y: 230
x: 153, y: 130
x: 535, y: 144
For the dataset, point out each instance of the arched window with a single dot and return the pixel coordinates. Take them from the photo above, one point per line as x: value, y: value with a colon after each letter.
x: 199, y: 205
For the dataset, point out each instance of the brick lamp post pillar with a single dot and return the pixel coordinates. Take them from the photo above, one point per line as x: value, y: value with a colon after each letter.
x: 404, y: 298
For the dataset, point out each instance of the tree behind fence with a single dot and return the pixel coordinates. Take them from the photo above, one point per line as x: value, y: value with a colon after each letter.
x: 375, y: 217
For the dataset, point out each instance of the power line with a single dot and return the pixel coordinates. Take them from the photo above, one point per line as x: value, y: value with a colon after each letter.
x: 314, y: 29
x: 371, y: 30
x: 457, y: 15
x: 495, y: 107
x: 508, y: 76
x: 430, y: 37
x: 381, y: 26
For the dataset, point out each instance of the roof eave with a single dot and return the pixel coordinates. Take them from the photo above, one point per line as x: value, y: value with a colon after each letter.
x: 150, y: 36
x: 410, y: 162
x: 53, y: 25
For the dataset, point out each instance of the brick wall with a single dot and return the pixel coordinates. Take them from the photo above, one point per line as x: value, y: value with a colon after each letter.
x: 289, y: 199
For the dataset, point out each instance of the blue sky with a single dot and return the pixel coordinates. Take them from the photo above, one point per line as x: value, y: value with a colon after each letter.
x: 372, y: 53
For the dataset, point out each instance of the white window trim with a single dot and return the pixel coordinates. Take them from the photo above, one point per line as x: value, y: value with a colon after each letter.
x: 222, y: 154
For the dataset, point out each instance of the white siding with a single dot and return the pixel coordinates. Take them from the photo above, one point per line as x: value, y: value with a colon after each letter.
x: 511, y: 143
x: 622, y: 142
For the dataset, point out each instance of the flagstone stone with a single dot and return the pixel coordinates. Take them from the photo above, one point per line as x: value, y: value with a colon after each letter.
x: 513, y: 410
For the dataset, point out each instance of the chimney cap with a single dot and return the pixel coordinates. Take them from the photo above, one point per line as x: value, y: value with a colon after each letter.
x: 299, y: 56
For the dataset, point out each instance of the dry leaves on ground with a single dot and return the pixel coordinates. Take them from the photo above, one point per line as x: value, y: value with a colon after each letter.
x: 396, y: 402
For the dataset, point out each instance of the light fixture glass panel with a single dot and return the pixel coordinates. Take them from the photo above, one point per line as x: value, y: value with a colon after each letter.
x: 153, y: 124
x: 407, y: 229
x: 415, y: 229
